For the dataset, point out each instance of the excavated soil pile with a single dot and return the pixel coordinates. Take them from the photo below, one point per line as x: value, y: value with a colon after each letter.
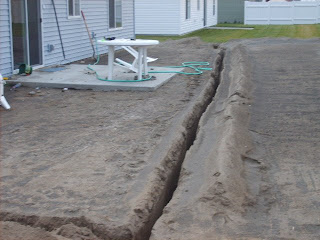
x: 253, y: 171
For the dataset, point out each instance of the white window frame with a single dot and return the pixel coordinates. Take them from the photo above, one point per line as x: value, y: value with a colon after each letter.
x: 115, y: 17
x: 188, y: 9
x: 73, y: 16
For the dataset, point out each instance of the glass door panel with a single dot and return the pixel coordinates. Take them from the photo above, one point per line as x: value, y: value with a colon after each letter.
x: 34, y: 27
x: 19, y: 32
x: 26, y: 32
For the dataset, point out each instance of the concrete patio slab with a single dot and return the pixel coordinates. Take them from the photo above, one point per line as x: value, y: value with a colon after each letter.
x: 77, y: 76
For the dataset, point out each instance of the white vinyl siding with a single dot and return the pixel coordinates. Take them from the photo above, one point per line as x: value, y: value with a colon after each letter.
x: 5, y: 39
x: 212, y: 19
x: 168, y: 17
x: 196, y: 20
x: 73, y: 32
x: 74, y: 35
x: 158, y: 17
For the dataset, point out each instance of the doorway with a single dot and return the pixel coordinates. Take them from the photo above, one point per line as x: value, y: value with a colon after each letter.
x: 204, y: 12
x: 26, y: 32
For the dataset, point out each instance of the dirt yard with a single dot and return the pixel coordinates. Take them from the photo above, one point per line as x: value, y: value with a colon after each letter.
x: 83, y: 153
x: 230, y: 154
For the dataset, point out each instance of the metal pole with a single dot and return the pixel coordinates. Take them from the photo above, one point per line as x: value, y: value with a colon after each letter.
x: 55, y: 13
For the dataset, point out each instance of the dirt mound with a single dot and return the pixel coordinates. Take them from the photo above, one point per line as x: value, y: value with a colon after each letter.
x: 212, y: 190
x: 253, y: 170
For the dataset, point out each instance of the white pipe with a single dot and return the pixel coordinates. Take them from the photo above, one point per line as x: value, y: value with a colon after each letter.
x: 3, y: 100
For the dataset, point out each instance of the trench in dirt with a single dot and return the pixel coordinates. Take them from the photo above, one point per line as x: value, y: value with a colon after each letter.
x: 169, y: 178
x: 191, y: 134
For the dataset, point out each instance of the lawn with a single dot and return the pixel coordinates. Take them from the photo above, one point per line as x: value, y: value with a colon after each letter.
x: 259, y: 31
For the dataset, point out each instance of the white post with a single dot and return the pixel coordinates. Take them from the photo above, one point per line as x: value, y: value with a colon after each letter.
x: 145, y: 62
x: 140, y: 54
x: 3, y: 100
x: 110, y: 62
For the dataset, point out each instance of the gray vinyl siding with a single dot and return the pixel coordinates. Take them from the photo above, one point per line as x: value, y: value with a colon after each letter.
x: 74, y: 35
x: 157, y: 17
x: 5, y: 39
x: 231, y: 11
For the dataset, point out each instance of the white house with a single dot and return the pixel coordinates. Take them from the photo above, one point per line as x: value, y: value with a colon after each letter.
x: 46, y: 32
x: 174, y: 17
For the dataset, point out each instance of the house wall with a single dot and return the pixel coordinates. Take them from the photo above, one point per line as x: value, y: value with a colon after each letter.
x: 5, y: 39
x: 157, y: 17
x: 231, y: 11
x: 74, y: 35
x: 212, y: 19
x: 168, y: 17
x: 196, y: 21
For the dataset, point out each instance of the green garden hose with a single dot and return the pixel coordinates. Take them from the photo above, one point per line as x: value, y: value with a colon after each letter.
x: 196, y: 66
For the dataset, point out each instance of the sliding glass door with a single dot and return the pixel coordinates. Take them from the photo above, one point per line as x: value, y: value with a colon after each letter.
x: 26, y: 32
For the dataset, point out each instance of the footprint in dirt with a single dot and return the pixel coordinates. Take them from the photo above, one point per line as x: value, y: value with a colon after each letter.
x: 134, y: 167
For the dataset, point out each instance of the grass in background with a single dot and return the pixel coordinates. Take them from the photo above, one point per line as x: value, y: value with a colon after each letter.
x: 259, y: 31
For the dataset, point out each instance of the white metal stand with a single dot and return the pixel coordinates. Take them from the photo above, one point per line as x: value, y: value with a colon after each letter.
x: 3, y: 100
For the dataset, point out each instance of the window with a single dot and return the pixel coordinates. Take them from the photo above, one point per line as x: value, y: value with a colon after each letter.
x: 188, y: 9
x: 198, y: 5
x: 115, y: 13
x: 74, y: 8
x: 214, y: 7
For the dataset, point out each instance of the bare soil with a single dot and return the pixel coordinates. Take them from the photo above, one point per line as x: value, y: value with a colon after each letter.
x: 253, y: 171
x: 86, y: 157
x: 231, y: 154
